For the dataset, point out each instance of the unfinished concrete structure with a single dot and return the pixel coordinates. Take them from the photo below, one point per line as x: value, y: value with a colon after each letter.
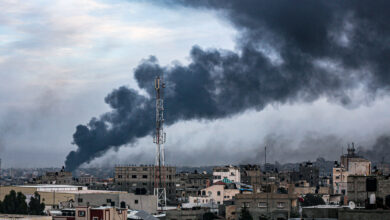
x: 141, y: 180
x: 190, y: 184
x: 62, y: 178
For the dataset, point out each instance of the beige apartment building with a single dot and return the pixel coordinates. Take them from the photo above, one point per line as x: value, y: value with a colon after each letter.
x: 350, y: 164
x: 215, y: 194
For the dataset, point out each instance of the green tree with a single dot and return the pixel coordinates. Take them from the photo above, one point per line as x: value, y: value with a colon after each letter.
x: 245, y: 214
x: 14, y: 203
x: 35, y: 207
x: 21, y: 205
x: 312, y: 200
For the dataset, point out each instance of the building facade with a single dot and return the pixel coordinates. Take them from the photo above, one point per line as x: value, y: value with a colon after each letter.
x: 141, y: 180
x: 215, y: 194
x: 62, y: 178
x: 190, y: 184
x: 307, y: 172
x: 267, y: 205
x: 231, y: 173
x: 250, y: 174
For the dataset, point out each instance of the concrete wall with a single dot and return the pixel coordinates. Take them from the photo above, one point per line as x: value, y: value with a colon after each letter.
x: 320, y: 212
x: 97, y: 199
x: 359, y: 167
x: 279, y: 205
x: 29, y: 217
x: 185, y: 214
x: 147, y: 203
x: 346, y: 214
x: 230, y: 212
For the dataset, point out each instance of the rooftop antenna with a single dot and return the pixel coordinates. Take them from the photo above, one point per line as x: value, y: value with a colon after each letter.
x: 159, y: 140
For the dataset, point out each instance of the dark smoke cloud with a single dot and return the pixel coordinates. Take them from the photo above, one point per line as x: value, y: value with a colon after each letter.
x: 379, y: 152
x: 286, y: 52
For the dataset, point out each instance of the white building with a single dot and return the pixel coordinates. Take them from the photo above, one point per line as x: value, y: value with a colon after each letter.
x: 230, y: 173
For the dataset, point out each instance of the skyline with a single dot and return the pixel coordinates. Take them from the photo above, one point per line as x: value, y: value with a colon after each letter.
x: 60, y: 61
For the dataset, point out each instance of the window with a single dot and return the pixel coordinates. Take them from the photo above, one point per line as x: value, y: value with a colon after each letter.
x: 134, y: 176
x: 81, y: 213
x: 136, y: 201
x: 245, y: 204
x: 108, y: 200
x: 281, y: 205
x: 218, y: 193
x: 95, y: 218
x: 262, y: 205
x: 144, y: 176
x: 79, y: 200
x: 119, y: 176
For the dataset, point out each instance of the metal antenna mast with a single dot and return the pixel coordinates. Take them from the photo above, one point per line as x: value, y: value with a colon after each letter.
x: 159, y: 140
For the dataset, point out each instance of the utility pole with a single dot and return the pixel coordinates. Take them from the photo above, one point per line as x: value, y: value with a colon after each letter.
x: 159, y: 140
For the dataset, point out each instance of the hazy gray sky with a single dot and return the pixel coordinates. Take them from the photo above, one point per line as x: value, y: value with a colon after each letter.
x: 59, y: 59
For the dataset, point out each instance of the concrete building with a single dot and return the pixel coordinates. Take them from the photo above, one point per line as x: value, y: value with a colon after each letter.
x: 190, y: 184
x: 267, y: 205
x: 360, y: 193
x: 230, y: 213
x: 140, y: 180
x: 215, y: 194
x: 307, y: 172
x: 339, y: 177
x: 85, y: 180
x: 62, y: 178
x: 230, y: 173
x: 355, y: 164
x: 187, y: 214
x: 65, y: 196
x: 250, y: 174
x: 146, y: 203
x: 350, y: 164
x: 89, y: 213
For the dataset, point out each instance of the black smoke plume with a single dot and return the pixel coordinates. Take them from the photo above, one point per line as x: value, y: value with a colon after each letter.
x: 380, y: 151
x: 287, y: 51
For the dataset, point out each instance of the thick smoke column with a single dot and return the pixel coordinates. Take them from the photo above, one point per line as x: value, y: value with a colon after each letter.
x: 287, y: 52
x: 380, y: 151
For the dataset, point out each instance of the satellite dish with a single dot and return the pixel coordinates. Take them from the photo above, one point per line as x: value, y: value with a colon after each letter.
x: 352, y: 205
